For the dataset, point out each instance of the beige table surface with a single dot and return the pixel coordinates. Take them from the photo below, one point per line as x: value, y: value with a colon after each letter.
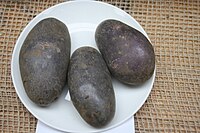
x: 174, y: 29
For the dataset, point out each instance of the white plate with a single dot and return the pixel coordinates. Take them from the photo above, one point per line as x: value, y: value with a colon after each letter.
x: 82, y: 18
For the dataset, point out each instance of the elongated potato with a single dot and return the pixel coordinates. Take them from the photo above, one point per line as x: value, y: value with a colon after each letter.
x: 44, y: 59
x: 90, y: 87
x: 128, y: 53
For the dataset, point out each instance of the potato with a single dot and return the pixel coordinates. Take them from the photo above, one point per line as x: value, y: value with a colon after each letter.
x: 90, y: 87
x: 44, y: 59
x: 128, y: 53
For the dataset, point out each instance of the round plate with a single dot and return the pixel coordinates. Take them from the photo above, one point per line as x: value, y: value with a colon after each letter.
x: 81, y: 18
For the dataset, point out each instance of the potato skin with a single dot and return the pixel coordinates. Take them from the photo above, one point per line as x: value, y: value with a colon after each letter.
x: 90, y: 87
x: 44, y: 59
x: 128, y: 53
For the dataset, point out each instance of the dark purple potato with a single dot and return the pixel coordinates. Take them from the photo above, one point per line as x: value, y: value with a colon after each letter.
x: 128, y: 53
x: 90, y: 87
x: 44, y: 59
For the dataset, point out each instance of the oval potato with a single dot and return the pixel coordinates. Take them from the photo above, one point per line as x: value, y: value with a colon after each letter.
x: 128, y: 53
x: 90, y: 87
x: 43, y: 61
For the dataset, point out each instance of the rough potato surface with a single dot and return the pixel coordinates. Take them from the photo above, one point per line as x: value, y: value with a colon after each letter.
x: 90, y: 87
x: 128, y: 53
x: 44, y: 59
